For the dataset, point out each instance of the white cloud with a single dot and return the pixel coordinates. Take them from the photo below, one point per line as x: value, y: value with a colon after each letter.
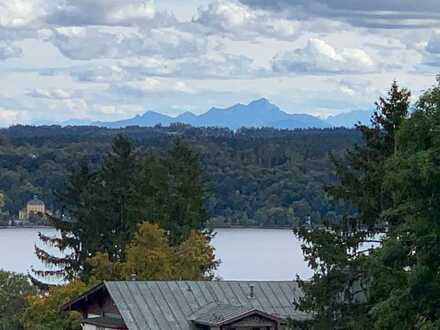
x: 318, y: 57
x: 150, y: 86
x: 236, y: 20
x: 56, y: 94
x: 17, y: 14
x: 431, y: 51
x: 211, y: 66
x: 433, y: 45
x: 389, y: 14
x: 99, y: 73
x: 81, y: 43
x: 109, y: 12
x: 10, y: 117
x: 8, y: 50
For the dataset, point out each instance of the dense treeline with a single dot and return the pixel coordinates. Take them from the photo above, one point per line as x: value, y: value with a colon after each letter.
x: 256, y: 176
x: 379, y: 268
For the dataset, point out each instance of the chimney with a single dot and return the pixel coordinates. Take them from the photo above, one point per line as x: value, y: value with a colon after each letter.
x: 252, y: 291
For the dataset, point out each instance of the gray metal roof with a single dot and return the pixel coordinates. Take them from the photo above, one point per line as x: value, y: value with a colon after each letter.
x: 173, y: 305
x: 219, y: 314
x: 105, y: 322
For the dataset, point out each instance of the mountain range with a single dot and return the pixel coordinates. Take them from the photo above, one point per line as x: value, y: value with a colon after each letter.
x: 258, y: 113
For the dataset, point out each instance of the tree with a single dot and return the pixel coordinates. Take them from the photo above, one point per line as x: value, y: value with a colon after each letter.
x: 79, y: 234
x: 97, y: 214
x: 150, y: 256
x: 43, y: 310
x: 14, y: 288
x: 337, y: 252
x: 174, y: 192
x: 116, y: 194
x: 195, y: 258
x: 405, y: 270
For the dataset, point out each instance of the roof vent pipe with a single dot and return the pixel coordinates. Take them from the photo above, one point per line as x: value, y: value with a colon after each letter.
x: 252, y: 291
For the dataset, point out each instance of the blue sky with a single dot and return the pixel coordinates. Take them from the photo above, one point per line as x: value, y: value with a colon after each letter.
x: 113, y: 59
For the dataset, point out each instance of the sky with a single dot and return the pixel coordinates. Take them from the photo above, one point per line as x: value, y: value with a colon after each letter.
x: 113, y: 59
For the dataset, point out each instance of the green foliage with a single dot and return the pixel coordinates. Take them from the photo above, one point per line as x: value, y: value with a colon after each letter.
x: 14, y: 288
x: 102, y: 208
x: 406, y: 293
x: 150, y: 256
x: 338, y: 294
x: 173, y: 193
x: 252, y: 173
x: 44, y: 309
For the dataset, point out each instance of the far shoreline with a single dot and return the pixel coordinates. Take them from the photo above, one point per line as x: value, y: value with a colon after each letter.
x: 214, y: 228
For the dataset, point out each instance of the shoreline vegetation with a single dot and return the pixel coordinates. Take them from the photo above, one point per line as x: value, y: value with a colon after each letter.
x: 214, y: 228
x: 27, y: 227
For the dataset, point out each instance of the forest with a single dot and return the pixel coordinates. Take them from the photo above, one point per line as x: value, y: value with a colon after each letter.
x: 255, y: 177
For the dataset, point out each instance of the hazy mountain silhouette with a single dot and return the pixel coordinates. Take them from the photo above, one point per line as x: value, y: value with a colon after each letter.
x: 349, y: 119
x: 258, y: 113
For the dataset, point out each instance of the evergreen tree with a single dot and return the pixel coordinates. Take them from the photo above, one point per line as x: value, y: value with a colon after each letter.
x: 174, y: 192
x: 102, y: 208
x: 99, y: 213
x: 79, y: 233
x: 404, y: 272
x: 337, y: 252
x: 116, y: 196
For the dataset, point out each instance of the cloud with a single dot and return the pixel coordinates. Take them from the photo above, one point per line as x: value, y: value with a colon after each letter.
x: 431, y: 51
x: 81, y: 43
x: 19, y: 14
x: 10, y: 117
x: 433, y: 45
x: 99, y: 73
x: 232, y: 18
x: 109, y: 12
x: 7, y: 50
x: 372, y: 13
x: 212, y: 66
x: 54, y: 94
x: 150, y: 86
x: 318, y: 57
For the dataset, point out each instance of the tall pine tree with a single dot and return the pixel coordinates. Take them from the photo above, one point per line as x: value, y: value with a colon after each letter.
x: 99, y: 213
x: 404, y: 273
x: 174, y: 192
x: 102, y: 208
x: 337, y: 252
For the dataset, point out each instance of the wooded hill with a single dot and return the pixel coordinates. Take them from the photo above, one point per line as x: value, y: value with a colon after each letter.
x: 257, y: 177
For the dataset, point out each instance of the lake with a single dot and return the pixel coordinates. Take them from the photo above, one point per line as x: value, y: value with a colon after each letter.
x: 245, y: 254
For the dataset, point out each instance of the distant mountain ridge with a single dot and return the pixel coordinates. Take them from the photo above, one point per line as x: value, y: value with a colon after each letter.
x: 258, y: 113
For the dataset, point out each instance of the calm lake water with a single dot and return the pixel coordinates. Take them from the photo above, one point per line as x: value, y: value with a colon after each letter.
x: 245, y: 254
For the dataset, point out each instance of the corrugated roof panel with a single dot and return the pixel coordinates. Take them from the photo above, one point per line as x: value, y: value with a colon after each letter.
x: 242, y: 297
x: 172, y: 305
x: 145, y: 316
x: 170, y: 295
x: 153, y: 302
x: 284, y: 305
x: 220, y: 297
x: 229, y: 292
x: 163, y: 301
x: 198, y: 294
x: 186, y: 292
x: 123, y: 307
x: 180, y: 301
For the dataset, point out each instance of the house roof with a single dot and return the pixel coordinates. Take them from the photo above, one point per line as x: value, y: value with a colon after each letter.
x: 176, y: 304
x: 219, y: 314
x: 106, y: 322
